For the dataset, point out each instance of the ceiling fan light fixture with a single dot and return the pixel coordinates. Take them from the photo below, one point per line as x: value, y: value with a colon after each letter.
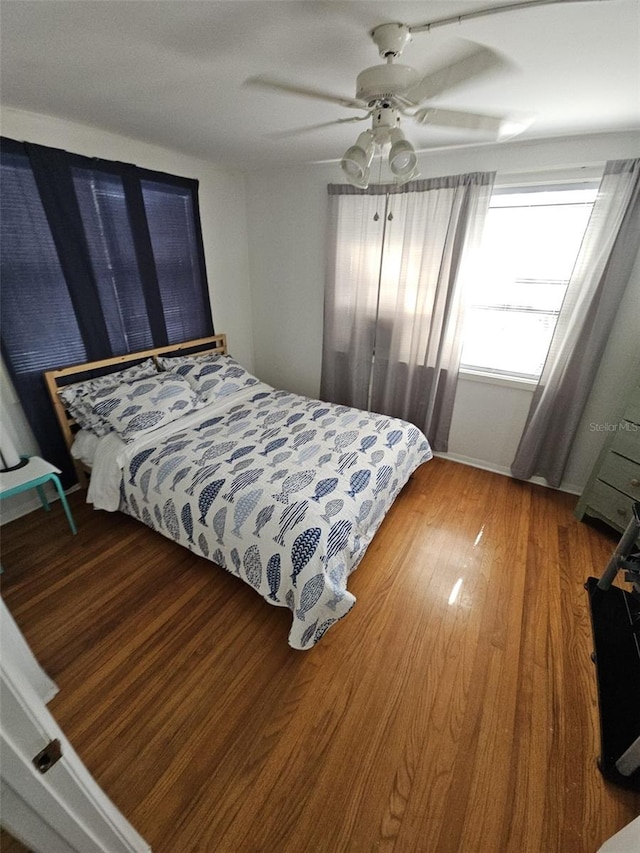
x: 402, y: 158
x: 356, y: 161
x: 409, y: 176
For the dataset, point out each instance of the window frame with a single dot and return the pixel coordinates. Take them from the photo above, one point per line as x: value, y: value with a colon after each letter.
x: 565, y: 178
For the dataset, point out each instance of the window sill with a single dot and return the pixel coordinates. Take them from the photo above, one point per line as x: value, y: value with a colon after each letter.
x: 503, y: 381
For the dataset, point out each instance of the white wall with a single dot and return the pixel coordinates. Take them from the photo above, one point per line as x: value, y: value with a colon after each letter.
x: 286, y: 215
x: 224, y: 232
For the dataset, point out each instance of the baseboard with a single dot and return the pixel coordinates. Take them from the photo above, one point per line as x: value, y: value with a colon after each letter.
x: 570, y: 488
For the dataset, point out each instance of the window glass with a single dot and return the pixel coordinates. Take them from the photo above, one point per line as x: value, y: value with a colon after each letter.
x: 530, y: 245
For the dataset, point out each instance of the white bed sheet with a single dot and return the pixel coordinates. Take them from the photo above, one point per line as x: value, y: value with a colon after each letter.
x: 84, y: 446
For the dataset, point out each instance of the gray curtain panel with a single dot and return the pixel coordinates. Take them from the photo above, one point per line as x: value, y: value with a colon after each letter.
x: 600, y: 276
x: 398, y: 262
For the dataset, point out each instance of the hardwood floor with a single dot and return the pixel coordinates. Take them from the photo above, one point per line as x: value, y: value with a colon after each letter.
x: 418, y: 723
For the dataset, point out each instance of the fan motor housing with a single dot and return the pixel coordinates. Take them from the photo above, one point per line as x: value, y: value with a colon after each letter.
x: 384, y: 81
x: 391, y: 39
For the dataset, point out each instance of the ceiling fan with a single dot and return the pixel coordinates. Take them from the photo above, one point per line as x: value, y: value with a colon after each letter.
x: 389, y: 92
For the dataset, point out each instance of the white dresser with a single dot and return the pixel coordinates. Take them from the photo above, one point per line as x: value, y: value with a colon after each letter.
x: 614, y: 483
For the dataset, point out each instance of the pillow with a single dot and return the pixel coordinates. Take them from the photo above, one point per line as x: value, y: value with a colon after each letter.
x: 212, y: 376
x: 79, y: 398
x: 135, y: 408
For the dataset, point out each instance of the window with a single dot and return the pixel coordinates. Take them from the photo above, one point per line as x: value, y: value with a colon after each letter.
x: 98, y: 259
x: 530, y: 244
x: 113, y: 258
x: 38, y: 304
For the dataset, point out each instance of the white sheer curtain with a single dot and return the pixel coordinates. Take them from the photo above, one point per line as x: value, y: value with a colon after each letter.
x: 600, y: 276
x: 398, y: 260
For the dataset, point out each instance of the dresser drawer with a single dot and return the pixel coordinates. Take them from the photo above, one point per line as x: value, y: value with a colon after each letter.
x: 610, y: 504
x: 627, y: 441
x: 622, y: 474
x: 633, y: 409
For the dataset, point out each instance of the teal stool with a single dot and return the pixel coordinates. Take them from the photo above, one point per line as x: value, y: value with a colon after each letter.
x: 34, y: 475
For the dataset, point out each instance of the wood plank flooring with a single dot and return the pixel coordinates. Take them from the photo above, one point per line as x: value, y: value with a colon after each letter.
x: 418, y: 723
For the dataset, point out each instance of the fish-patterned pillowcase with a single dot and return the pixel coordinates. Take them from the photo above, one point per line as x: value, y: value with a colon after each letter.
x: 135, y: 408
x: 80, y: 398
x: 212, y: 376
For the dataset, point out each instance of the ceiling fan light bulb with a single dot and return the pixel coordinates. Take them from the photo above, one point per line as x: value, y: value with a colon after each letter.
x: 350, y: 166
x: 356, y: 176
x: 357, y: 159
x: 402, y: 161
x: 354, y: 162
x: 409, y: 176
x: 402, y: 158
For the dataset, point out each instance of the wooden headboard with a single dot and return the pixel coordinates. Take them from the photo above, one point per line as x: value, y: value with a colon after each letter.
x: 58, y: 378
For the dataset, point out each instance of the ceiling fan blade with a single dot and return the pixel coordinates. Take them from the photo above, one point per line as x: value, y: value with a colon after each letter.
x: 453, y: 118
x: 297, y: 131
x: 264, y: 82
x: 478, y: 60
x: 502, y: 127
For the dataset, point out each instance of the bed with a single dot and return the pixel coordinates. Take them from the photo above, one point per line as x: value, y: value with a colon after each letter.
x: 284, y: 491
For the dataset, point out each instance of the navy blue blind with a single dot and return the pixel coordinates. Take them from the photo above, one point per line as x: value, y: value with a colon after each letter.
x: 174, y: 228
x: 37, y: 317
x: 104, y: 214
x: 97, y: 259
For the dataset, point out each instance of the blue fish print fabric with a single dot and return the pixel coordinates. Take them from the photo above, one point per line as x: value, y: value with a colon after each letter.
x: 212, y: 376
x: 81, y: 397
x: 135, y: 408
x: 283, y: 491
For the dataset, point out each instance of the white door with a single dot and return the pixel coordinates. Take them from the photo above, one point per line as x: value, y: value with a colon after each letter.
x: 61, y: 810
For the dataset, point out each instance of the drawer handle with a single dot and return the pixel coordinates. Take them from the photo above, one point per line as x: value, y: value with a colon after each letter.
x: 621, y: 511
x: 635, y: 482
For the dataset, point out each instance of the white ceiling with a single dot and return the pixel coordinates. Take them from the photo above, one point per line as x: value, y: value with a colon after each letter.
x: 171, y: 73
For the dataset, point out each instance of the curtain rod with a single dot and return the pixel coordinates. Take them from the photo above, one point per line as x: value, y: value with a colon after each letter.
x: 492, y: 10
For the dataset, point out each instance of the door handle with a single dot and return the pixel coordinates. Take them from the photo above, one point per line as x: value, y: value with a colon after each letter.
x: 48, y: 756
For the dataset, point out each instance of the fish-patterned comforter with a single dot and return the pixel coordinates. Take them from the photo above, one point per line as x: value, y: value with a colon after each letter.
x: 283, y: 491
